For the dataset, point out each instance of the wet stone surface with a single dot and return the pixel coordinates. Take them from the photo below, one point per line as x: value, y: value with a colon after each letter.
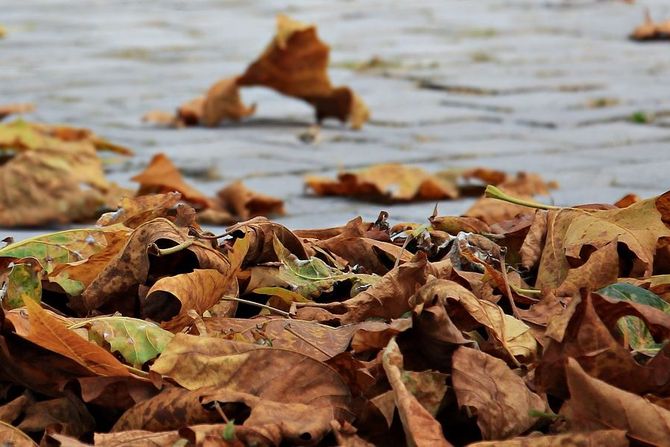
x: 528, y: 85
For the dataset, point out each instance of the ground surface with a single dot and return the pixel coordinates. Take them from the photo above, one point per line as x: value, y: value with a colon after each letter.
x: 496, y: 83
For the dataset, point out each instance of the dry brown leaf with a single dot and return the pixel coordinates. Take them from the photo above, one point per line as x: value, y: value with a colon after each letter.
x: 65, y: 415
x: 345, y: 435
x: 468, y: 312
x: 260, y: 233
x: 163, y: 118
x: 627, y: 200
x: 14, y: 437
x: 421, y: 428
x: 526, y: 184
x: 11, y: 411
x: 389, y: 297
x: 305, y: 400
x: 223, y: 102
x: 170, y: 299
x: 435, y: 335
x: 588, y: 338
x: 137, y: 438
x: 501, y: 399
x: 531, y: 249
x: 117, y: 283
x: 596, y: 405
x: 600, y: 270
x: 523, y: 186
x: 115, y: 392
x: 162, y: 176
x: 198, y: 362
x: 172, y: 409
x: 487, y: 176
x: 455, y: 224
x: 22, y: 135
x: 492, y: 211
x: 385, y: 182
x: 650, y: 30
x: 307, y: 337
x: 570, y: 231
x: 244, y: 203
x: 353, y: 245
x: 51, y: 180
x: 295, y: 64
x: 280, y: 421
x: 135, y: 211
x: 609, y: 438
x: 21, y: 362
x: 86, y: 270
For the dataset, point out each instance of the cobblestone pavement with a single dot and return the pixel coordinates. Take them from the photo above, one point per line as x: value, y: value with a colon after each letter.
x: 506, y: 84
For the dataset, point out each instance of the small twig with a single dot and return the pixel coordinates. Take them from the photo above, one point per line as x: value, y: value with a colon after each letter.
x: 194, y: 231
x: 508, y: 290
x: 402, y: 250
x: 220, y: 411
x: 253, y: 303
x: 52, y: 309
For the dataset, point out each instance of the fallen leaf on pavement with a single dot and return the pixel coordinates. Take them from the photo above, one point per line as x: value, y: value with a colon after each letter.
x: 650, y: 30
x: 385, y: 182
x: 295, y: 64
x: 15, y: 109
x: 162, y: 176
x: 55, y: 173
x: 244, y: 203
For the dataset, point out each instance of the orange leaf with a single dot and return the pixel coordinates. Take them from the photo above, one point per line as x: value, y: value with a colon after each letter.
x: 391, y: 181
x: 49, y: 333
x: 162, y: 176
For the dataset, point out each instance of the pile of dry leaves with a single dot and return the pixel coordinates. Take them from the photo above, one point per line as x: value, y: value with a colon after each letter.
x: 544, y: 329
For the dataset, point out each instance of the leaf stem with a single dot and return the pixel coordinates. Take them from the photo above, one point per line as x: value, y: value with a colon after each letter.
x: 497, y: 193
x: 171, y: 250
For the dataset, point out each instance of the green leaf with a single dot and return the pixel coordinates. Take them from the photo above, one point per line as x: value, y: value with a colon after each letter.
x: 137, y: 341
x: 23, y: 282
x: 628, y: 292
x: 61, y: 247
x: 70, y: 286
x: 312, y: 277
x: 641, y: 117
x: 635, y: 331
